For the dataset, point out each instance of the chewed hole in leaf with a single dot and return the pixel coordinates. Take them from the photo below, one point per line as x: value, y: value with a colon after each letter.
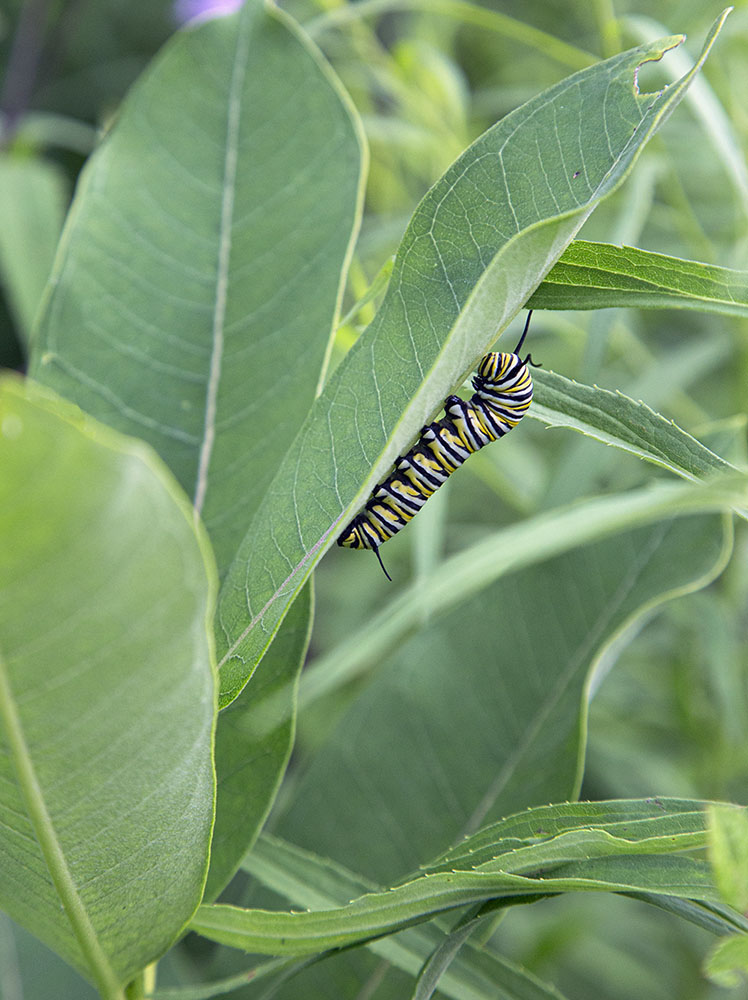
x: 649, y: 76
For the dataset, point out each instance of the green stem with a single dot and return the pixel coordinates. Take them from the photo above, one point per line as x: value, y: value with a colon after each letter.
x: 144, y: 984
x: 468, y: 13
x: 33, y: 797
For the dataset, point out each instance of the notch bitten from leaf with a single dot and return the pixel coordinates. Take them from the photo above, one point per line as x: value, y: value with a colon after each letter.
x: 666, y: 45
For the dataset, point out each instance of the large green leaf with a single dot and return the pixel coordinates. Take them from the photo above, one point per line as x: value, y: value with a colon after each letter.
x: 601, y: 276
x: 199, y: 273
x: 106, y: 691
x: 478, y: 245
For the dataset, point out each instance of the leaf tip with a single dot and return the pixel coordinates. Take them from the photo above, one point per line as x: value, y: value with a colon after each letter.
x: 659, y: 48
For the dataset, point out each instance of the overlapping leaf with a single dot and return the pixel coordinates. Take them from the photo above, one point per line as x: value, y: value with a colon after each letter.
x: 199, y: 273
x: 106, y: 691
x: 477, y: 246
x: 194, y: 296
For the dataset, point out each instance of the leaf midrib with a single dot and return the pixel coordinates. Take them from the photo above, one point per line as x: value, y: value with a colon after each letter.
x: 231, y: 157
x: 49, y: 844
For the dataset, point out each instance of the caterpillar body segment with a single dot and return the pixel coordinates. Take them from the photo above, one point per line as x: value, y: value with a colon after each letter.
x: 503, y: 394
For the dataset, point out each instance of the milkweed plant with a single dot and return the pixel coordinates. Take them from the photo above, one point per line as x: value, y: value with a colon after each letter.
x: 296, y: 237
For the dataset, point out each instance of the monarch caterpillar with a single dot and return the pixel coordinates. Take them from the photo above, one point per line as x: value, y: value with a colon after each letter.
x: 503, y: 393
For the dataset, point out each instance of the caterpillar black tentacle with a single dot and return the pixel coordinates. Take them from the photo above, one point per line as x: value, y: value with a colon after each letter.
x: 503, y: 393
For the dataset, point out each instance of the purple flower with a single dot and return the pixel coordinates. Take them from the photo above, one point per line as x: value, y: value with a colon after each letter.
x: 203, y: 10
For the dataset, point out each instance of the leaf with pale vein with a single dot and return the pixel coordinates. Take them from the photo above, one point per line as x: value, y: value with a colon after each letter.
x: 106, y: 771
x: 603, y: 276
x: 200, y: 270
x: 478, y: 245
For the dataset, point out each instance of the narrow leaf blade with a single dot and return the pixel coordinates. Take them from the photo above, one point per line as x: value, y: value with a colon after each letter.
x: 310, y: 881
x: 617, y: 420
x: 644, y: 869
x: 603, y: 276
